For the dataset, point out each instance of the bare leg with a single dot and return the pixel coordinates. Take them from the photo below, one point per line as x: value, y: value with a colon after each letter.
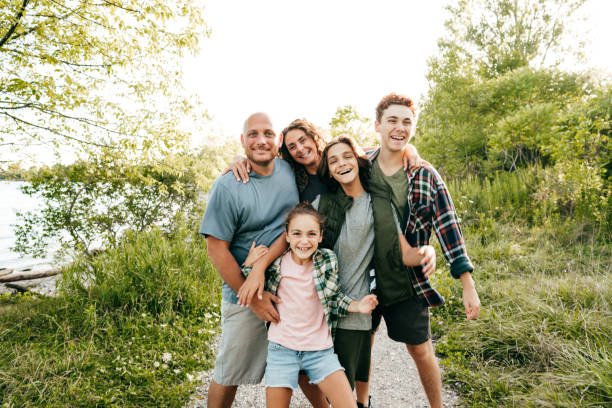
x: 278, y: 397
x: 221, y: 396
x: 312, y: 392
x: 429, y: 371
x: 362, y: 389
x: 338, y: 390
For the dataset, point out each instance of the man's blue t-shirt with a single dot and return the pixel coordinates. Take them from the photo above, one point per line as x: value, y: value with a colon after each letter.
x: 242, y: 213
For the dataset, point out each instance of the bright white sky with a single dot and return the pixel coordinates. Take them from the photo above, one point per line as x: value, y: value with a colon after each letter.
x: 306, y: 58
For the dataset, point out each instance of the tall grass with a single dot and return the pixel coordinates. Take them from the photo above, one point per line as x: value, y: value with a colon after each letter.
x: 545, y: 331
x: 131, y: 328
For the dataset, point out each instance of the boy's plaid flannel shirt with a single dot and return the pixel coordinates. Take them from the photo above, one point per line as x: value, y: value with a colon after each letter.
x: 430, y: 206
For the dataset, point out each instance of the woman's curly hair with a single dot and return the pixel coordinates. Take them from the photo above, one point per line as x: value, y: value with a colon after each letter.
x: 301, y: 177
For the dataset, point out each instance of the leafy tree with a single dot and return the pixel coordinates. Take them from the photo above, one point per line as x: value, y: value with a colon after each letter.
x: 494, y: 104
x: 92, y: 203
x: 94, y: 74
x: 489, y: 107
x: 348, y: 121
x: 497, y: 36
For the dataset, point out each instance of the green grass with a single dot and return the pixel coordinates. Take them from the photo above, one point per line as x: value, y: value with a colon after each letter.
x: 133, y: 327
x: 137, y: 333
x: 544, y: 335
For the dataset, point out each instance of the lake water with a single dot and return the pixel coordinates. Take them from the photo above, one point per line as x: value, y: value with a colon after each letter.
x: 11, y: 201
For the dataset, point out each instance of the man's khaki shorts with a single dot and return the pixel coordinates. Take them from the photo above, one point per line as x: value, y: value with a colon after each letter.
x: 243, y: 346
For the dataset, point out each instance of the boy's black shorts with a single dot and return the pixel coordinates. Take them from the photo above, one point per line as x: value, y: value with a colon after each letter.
x: 353, y: 349
x: 407, y: 321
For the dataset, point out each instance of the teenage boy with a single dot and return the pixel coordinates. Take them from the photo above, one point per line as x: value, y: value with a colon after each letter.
x: 413, y: 203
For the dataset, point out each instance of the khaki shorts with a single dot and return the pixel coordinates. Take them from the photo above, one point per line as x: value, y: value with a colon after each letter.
x: 243, y: 347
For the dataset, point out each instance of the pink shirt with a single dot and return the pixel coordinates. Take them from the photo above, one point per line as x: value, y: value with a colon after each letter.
x: 303, y: 325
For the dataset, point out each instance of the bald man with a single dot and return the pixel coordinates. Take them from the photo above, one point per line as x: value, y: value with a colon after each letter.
x: 237, y: 215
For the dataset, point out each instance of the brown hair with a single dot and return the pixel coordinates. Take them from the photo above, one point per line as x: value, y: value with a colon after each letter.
x: 394, y: 99
x: 304, y: 208
x: 301, y: 177
x: 362, y: 161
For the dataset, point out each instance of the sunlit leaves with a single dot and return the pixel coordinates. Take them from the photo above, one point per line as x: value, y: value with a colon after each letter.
x: 88, y: 74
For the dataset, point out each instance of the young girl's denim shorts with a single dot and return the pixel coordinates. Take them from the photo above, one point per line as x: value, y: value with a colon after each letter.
x: 284, y: 364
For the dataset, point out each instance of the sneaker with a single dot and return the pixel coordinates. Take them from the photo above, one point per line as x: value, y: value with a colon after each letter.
x: 360, y: 405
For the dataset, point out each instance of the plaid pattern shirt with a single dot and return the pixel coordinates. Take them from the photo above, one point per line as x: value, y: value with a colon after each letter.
x: 335, y: 303
x: 430, y: 207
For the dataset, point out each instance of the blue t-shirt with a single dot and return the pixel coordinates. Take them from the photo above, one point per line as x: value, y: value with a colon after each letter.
x: 242, y: 213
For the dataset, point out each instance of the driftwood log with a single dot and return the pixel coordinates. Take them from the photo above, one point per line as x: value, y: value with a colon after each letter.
x: 19, y: 276
x: 5, y: 271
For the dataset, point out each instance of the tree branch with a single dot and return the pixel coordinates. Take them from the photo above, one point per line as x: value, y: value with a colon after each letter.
x: 56, y: 132
x: 11, y: 30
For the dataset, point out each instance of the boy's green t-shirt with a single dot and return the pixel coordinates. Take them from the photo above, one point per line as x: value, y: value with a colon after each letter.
x: 398, y: 183
x: 387, y: 231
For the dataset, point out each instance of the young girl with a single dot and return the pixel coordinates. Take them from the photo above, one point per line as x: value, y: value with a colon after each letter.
x: 306, y: 280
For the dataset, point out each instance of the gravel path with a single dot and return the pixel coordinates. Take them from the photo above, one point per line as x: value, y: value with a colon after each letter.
x: 395, y: 382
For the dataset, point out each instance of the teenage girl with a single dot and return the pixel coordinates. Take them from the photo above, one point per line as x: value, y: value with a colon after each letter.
x: 305, y: 278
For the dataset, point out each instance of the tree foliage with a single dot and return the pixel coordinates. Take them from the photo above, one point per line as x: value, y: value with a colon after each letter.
x: 497, y: 36
x: 493, y: 105
x: 92, y: 203
x: 94, y: 74
x: 348, y: 121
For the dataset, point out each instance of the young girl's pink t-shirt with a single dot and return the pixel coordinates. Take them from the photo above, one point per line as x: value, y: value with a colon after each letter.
x: 303, y: 325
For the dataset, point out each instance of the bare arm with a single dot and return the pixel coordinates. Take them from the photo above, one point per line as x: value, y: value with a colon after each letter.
x: 254, y: 283
x: 225, y: 264
x: 241, y: 167
x: 228, y: 269
x: 365, y: 305
x: 471, y: 301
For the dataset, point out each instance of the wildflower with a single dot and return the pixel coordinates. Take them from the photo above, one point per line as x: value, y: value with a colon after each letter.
x: 165, y: 366
x: 189, y: 377
x: 166, y: 357
x: 176, y: 371
x: 156, y: 364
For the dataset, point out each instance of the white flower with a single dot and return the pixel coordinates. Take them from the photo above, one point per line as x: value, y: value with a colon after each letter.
x: 189, y: 377
x: 176, y: 371
x: 165, y: 366
x: 156, y: 364
x: 166, y: 357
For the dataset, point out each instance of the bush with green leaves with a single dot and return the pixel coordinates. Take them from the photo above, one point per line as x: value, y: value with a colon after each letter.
x: 131, y: 327
x: 92, y: 202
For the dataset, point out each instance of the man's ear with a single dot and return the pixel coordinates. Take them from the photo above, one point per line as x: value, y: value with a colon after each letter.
x: 242, y: 140
x: 281, y: 137
x: 376, y: 125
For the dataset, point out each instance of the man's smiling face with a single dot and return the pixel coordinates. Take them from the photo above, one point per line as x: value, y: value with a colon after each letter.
x: 395, y: 127
x: 259, y: 139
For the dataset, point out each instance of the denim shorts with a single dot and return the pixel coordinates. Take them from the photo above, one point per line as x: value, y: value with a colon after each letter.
x: 284, y: 364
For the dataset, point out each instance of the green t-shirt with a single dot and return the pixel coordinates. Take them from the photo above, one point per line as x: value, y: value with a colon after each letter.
x: 386, y: 233
x: 399, y: 187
